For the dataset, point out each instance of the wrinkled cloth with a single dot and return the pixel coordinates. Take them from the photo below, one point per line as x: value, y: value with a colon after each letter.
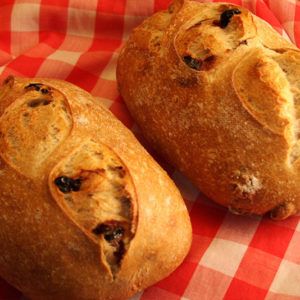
x: 232, y: 257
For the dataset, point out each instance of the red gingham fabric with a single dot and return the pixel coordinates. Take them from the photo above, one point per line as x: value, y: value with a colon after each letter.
x: 232, y: 257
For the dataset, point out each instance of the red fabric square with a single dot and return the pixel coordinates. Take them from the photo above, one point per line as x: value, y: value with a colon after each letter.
x: 157, y: 293
x: 56, y: 3
x: 121, y: 112
x: 106, y: 44
x: 53, y: 39
x: 113, y: 7
x: 42, y: 49
x: 278, y: 238
x: 89, y: 61
x: 82, y: 78
x: 6, y: 2
x: 8, y: 71
x: 297, y: 24
x: 119, y: 99
x: 48, y: 14
x: 5, y: 40
x: 28, y: 66
x: 4, y: 57
x: 7, y: 292
x: 258, y: 268
x: 106, y: 89
x: 206, y: 220
x: 239, y: 289
x: 5, y: 17
x: 178, y: 280
x: 161, y: 5
x: 290, y: 222
x: 283, y: 11
x: 198, y: 248
x: 109, y: 26
x: 188, y: 202
x: 268, y: 15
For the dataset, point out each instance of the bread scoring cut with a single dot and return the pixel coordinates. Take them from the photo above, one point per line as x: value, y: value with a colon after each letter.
x: 103, y: 201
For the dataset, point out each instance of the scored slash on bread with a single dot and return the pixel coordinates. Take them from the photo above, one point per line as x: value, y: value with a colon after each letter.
x: 103, y: 200
x: 86, y: 213
x: 216, y: 91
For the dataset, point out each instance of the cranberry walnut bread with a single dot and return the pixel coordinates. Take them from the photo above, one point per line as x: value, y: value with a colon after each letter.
x: 217, y: 92
x: 86, y: 213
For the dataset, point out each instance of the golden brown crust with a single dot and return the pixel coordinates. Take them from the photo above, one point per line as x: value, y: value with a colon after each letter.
x: 86, y: 213
x: 216, y: 90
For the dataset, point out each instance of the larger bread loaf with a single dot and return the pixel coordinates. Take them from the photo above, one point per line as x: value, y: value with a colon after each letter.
x: 217, y: 91
x: 85, y: 213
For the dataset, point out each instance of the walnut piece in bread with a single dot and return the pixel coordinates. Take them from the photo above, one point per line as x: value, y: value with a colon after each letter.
x: 86, y: 213
x: 217, y: 92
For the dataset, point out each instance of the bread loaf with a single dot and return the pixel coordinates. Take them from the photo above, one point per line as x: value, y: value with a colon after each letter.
x: 86, y: 213
x: 217, y: 92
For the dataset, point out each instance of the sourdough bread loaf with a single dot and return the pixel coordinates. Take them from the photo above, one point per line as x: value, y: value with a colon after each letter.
x: 86, y: 213
x: 217, y: 92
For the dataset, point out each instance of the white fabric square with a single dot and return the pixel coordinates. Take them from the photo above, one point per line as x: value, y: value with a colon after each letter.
x: 109, y: 73
x: 130, y: 22
x: 289, y: 28
x: 239, y: 229
x: 298, y: 227
x: 81, y: 22
x: 287, y: 279
x: 134, y: 8
x: 223, y: 256
x: 2, y: 68
x: 25, y: 17
x: 89, y: 4
x: 69, y: 57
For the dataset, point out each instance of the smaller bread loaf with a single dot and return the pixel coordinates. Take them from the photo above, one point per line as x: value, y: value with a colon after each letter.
x: 217, y: 92
x: 86, y: 213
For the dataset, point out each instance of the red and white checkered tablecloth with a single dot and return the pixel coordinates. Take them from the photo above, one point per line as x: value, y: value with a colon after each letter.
x: 232, y: 257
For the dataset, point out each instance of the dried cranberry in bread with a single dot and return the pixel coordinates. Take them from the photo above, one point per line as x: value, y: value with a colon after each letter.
x: 217, y: 92
x: 86, y: 213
